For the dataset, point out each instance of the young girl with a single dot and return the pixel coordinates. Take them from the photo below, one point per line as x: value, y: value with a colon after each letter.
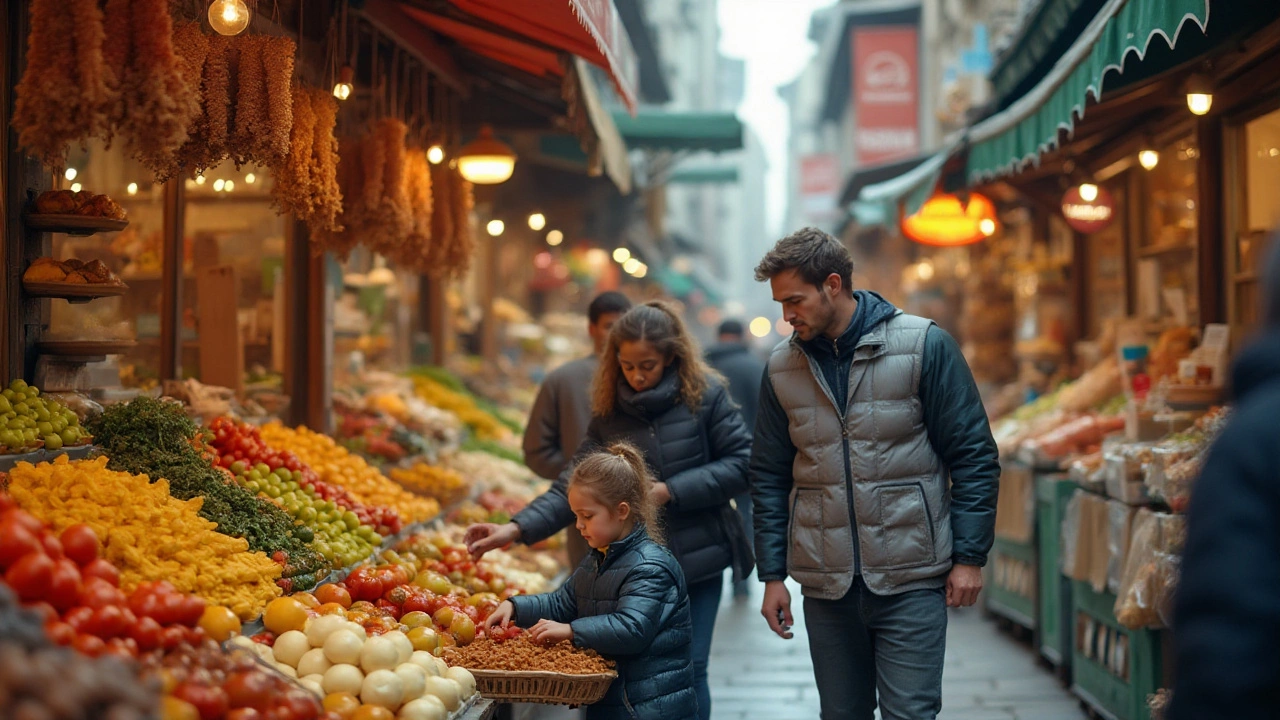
x: 627, y: 600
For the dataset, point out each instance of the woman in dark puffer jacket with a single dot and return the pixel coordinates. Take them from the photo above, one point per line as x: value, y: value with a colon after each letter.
x: 658, y: 395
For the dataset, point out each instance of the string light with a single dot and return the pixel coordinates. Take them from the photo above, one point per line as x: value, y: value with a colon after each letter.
x: 70, y: 174
x: 75, y: 187
x: 621, y: 255
x: 229, y: 186
x: 200, y: 180
x: 554, y: 238
x: 132, y: 189
x: 1148, y: 159
x: 435, y: 154
x: 251, y: 178
x: 219, y: 184
x: 537, y: 221
x: 495, y: 227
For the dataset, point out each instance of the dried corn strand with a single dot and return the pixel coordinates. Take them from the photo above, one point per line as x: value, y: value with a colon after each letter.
x: 116, y: 55
x: 292, y: 188
x: 327, y: 195
x: 159, y: 104
x: 86, y: 17
x: 47, y: 105
x: 277, y: 63
x: 216, y: 124
x: 462, y: 200
x: 250, y: 141
x: 394, y: 208
x: 418, y: 184
x: 192, y: 48
x: 441, y: 220
x: 373, y: 153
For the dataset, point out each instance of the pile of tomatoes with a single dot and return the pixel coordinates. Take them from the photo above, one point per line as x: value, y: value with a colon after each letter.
x: 205, y: 682
x: 240, y: 442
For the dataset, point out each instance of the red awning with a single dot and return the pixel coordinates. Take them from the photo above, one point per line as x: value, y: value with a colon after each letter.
x: 590, y: 29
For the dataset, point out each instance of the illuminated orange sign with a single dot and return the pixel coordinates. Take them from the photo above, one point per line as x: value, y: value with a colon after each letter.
x: 946, y: 221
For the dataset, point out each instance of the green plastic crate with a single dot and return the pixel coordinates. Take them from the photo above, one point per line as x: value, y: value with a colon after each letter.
x: 1054, y: 589
x: 1114, y: 669
x: 1011, y: 589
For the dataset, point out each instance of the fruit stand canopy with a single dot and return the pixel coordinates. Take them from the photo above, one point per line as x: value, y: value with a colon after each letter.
x: 1006, y: 142
x: 530, y: 33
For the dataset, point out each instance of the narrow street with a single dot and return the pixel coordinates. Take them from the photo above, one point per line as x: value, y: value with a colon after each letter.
x: 756, y: 675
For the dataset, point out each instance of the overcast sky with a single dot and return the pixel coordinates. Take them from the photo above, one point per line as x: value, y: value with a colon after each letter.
x: 772, y: 35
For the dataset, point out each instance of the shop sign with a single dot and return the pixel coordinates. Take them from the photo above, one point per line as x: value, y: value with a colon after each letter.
x: 1088, y: 217
x: 819, y: 186
x: 886, y: 93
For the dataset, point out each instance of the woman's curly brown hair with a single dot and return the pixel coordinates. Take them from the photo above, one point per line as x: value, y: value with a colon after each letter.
x: 658, y: 323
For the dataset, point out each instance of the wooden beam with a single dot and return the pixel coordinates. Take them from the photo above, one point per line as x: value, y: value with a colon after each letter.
x: 1211, y: 258
x: 417, y: 41
x: 171, y: 281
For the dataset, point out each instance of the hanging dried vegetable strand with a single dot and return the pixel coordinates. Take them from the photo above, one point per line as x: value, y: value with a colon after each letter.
x: 116, y: 55
x: 90, y: 36
x: 277, y: 64
x: 250, y: 140
x: 462, y: 200
x: 192, y: 48
x: 351, y: 181
x: 441, y: 220
x: 327, y: 195
x: 47, y: 108
x: 159, y: 104
x: 394, y: 209
x: 418, y: 182
x: 216, y: 123
x: 293, y: 190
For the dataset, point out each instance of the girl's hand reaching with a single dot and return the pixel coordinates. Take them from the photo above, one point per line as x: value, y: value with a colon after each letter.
x: 547, y: 632
x: 501, y: 617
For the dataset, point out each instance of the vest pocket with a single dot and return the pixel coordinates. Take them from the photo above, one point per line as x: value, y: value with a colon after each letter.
x: 905, y: 529
x: 807, y: 530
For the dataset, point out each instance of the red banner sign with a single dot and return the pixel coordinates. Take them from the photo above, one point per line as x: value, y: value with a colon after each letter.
x: 1089, y: 216
x: 886, y: 93
x: 819, y: 185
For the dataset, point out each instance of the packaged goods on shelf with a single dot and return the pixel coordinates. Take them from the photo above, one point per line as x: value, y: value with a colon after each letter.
x: 1150, y: 570
x: 1085, y: 547
x: 1119, y: 530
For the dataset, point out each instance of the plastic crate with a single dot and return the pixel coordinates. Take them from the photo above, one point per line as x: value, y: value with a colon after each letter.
x: 1113, y: 668
x: 1054, y: 589
x: 1012, y: 587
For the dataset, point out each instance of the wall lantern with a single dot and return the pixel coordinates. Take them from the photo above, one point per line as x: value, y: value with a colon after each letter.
x: 1199, y: 94
x: 486, y: 160
x: 948, y: 221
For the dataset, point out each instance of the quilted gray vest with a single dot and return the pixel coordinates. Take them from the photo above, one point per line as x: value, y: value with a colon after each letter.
x: 870, y: 460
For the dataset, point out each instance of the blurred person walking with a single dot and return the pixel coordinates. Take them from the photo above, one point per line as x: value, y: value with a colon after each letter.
x: 562, y: 409
x: 733, y: 359
x: 874, y: 476
x: 1227, y: 608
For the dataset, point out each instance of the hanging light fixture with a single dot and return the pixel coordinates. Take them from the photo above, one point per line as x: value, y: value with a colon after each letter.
x: 1088, y: 192
x: 486, y: 160
x: 554, y: 238
x: 435, y: 154
x: 229, y: 17
x: 948, y: 221
x: 1148, y: 159
x: 537, y: 221
x: 495, y: 227
x: 1199, y: 94
x: 346, y: 83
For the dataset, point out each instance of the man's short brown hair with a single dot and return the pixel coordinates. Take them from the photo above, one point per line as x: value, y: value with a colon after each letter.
x: 812, y: 253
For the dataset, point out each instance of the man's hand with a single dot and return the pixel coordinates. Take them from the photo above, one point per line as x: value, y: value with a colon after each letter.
x: 660, y: 493
x: 548, y: 632
x: 777, y: 608
x: 484, y: 537
x: 964, y: 582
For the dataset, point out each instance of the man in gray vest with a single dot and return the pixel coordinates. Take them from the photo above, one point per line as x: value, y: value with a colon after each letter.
x: 874, y: 476
x: 562, y: 410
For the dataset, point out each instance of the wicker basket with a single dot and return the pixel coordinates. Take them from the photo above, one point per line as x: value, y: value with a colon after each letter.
x: 549, y: 688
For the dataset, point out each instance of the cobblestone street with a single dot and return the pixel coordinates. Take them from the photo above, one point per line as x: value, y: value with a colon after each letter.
x: 756, y: 675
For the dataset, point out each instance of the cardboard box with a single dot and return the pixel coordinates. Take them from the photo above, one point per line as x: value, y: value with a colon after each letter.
x: 1015, y: 507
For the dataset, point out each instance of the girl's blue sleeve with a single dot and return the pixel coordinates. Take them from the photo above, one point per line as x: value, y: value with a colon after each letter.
x: 559, y: 605
x: 646, y: 600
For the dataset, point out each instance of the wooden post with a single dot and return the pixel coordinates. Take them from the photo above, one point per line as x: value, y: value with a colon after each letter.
x: 1211, y: 257
x: 171, y: 283
x: 308, y: 377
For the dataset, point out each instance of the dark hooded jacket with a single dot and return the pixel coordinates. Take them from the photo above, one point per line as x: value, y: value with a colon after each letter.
x: 742, y: 368
x: 701, y: 456
x: 1227, y: 611
x: 630, y: 605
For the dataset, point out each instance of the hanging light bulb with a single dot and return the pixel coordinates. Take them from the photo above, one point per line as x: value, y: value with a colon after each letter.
x: 229, y: 186
x: 495, y: 227
x: 1088, y: 192
x: 486, y: 160
x: 537, y: 221
x: 200, y: 180
x: 219, y: 184
x: 346, y: 83
x: 1148, y: 159
x: 1199, y: 95
x: 229, y: 17
x: 435, y: 154
x: 554, y: 238
x: 621, y: 255
x: 987, y: 226
x: 251, y: 178
x: 70, y: 174
x: 132, y: 189
x: 76, y: 187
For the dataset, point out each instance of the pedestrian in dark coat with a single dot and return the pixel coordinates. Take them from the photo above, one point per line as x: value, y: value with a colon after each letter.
x: 659, y: 395
x: 627, y: 600
x: 1227, y: 611
x: 733, y: 359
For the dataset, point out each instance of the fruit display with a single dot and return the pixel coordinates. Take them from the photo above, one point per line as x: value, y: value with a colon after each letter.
x: 29, y: 421
x: 156, y: 438
x: 340, y: 661
x: 83, y: 202
x: 446, y: 486
x: 72, y: 272
x: 372, y: 437
x: 338, y: 466
x: 513, y: 650
x: 207, y: 682
x: 484, y: 424
x: 147, y: 533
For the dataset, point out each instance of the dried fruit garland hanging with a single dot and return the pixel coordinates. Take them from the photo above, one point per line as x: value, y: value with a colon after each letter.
x: 159, y: 104
x: 306, y: 182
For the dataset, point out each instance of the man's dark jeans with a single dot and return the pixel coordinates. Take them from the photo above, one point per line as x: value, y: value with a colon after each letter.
x: 864, y: 643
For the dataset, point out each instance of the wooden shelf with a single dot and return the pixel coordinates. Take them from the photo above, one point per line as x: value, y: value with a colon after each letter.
x: 73, y: 293
x: 74, y: 224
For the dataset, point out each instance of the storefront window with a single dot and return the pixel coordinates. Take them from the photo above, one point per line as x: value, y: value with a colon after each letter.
x: 1107, y: 299
x: 1166, y: 275
x: 1259, y: 212
x: 135, y: 255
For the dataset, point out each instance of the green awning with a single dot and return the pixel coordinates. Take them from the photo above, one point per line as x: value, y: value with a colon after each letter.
x: 704, y: 176
x: 656, y: 130
x: 878, y: 204
x: 1029, y: 128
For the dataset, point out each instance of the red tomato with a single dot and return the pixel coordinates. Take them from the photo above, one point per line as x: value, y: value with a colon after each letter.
x: 191, y: 607
x: 45, y: 610
x: 15, y: 542
x: 249, y: 689
x: 147, y: 633
x: 365, y: 587
x: 390, y: 608
x: 172, y: 637
x: 417, y: 602
x: 194, y: 635
x: 122, y: 648
x: 210, y: 701
x: 52, y: 546
x: 64, y: 588
x: 78, y: 618
x: 400, y: 575
x: 80, y: 543
x: 100, y: 568
x: 31, y: 577
x: 6, y: 503
x: 16, y: 516
x: 89, y: 645
x: 296, y: 706
x: 96, y: 593
x: 144, y: 603
x: 60, y: 633
x: 244, y: 714
x: 108, y: 622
